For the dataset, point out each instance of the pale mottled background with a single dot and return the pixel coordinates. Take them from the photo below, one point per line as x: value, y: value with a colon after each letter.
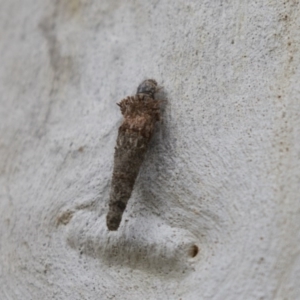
x: 222, y: 172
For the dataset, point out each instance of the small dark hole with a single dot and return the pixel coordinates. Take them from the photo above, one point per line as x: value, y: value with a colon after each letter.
x: 194, y: 251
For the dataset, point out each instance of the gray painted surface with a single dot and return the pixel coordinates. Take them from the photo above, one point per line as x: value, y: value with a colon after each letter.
x: 222, y: 172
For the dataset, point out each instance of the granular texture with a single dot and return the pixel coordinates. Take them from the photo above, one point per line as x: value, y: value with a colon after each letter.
x: 140, y: 112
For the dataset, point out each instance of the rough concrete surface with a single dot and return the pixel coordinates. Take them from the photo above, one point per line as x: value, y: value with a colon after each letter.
x: 215, y: 212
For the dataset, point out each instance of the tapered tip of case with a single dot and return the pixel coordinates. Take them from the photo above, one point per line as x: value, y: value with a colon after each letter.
x: 113, y: 222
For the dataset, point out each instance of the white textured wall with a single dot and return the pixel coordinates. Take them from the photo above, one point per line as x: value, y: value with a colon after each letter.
x: 222, y: 173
